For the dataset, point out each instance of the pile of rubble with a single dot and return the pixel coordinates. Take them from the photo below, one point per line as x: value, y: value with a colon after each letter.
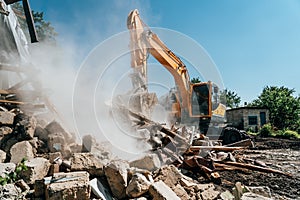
x: 43, y: 161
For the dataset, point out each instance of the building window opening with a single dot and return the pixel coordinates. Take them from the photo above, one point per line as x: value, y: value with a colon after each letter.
x: 252, y: 120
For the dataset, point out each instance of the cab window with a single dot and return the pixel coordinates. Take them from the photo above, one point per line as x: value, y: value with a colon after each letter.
x: 200, y: 100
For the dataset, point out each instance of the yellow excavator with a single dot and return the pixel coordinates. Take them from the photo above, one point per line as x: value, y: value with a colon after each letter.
x: 196, y: 104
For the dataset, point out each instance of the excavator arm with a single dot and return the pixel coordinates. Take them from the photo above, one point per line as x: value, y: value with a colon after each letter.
x: 144, y: 41
x: 138, y: 52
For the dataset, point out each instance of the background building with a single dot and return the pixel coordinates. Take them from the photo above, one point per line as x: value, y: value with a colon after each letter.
x: 246, y: 118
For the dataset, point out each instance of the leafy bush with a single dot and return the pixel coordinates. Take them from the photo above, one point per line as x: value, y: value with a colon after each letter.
x: 266, y: 130
x: 15, y: 175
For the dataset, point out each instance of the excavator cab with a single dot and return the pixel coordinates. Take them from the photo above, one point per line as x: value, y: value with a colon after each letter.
x: 205, y: 101
x: 200, y: 100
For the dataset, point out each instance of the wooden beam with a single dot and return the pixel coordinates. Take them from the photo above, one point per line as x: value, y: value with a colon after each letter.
x: 12, y: 102
x: 4, y: 92
x: 242, y: 143
x: 254, y: 167
x: 162, y: 128
x: 216, y: 148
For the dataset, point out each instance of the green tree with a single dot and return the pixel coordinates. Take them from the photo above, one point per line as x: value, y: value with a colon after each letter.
x: 195, y: 80
x: 283, y: 106
x: 44, y: 29
x: 230, y: 98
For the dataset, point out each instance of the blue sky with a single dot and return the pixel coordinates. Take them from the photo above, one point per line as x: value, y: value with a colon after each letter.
x: 253, y: 43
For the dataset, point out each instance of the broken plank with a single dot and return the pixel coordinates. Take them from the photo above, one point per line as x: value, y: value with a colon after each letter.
x: 162, y: 128
x: 254, y: 167
x: 224, y: 167
x: 12, y: 102
x: 242, y: 143
x: 216, y: 148
x: 4, y: 92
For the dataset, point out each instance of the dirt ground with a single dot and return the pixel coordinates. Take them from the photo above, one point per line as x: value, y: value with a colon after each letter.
x: 281, y: 154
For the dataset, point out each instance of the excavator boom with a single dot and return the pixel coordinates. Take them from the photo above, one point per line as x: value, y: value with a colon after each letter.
x: 142, y: 41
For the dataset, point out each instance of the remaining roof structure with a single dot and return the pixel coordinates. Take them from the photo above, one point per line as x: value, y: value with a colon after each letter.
x: 13, y: 43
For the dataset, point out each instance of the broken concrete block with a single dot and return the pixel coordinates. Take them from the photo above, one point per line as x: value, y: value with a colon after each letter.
x: 99, y: 190
x: 88, y: 143
x: 203, y: 187
x: 133, y: 170
x: 137, y: 186
x: 21, y: 184
x: 5, y: 130
x: 56, y: 129
x: 87, y: 162
x: 101, y: 150
x: 149, y: 162
x: 226, y: 195
x: 160, y: 191
x: 238, y: 190
x: 24, y: 127
x: 41, y: 133
x: 9, y: 192
x: 169, y: 174
x: 6, y: 168
x: 2, y: 156
x: 116, y: 174
x: 37, y: 168
x: 66, y: 152
x: 180, y: 192
x: 69, y: 186
x: 253, y: 196
x: 54, y: 168
x: 21, y: 150
x: 187, y: 183
x: 6, y: 118
x: 75, y: 148
x: 58, y: 139
x: 262, y: 190
x: 53, y: 156
x: 210, y: 194
x: 56, y: 143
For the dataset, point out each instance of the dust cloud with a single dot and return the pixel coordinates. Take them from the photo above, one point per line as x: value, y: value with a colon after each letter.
x: 82, y: 90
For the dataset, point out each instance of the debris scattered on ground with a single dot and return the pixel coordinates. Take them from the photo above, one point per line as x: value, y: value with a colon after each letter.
x: 174, y: 168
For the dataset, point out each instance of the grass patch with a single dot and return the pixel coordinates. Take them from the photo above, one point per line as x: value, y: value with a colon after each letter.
x: 288, y: 134
x: 268, y: 131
